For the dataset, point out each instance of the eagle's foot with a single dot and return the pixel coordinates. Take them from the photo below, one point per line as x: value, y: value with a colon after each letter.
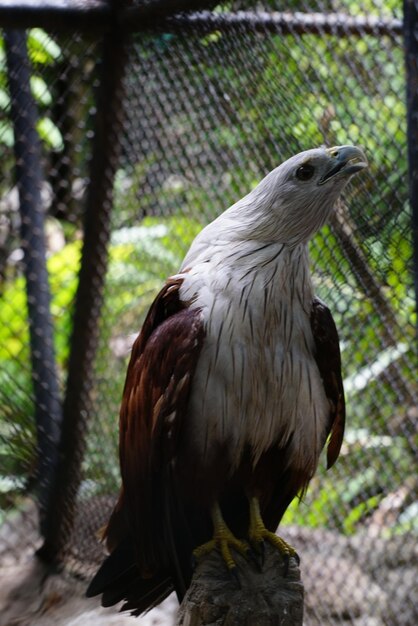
x: 258, y: 534
x: 223, y: 540
x: 282, y: 546
x: 286, y: 550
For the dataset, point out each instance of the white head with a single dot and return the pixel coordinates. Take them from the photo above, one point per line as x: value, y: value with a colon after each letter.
x: 295, y: 200
x: 290, y: 204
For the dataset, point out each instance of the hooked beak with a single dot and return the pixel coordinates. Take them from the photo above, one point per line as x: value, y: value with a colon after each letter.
x: 345, y: 161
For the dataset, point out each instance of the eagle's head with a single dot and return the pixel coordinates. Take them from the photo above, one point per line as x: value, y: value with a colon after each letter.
x: 296, y: 198
x: 288, y: 206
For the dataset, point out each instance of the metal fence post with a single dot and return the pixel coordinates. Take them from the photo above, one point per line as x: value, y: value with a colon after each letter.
x: 411, y: 58
x: 29, y: 175
x: 89, y: 298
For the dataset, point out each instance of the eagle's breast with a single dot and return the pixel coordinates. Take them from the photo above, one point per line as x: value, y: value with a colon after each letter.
x: 256, y: 380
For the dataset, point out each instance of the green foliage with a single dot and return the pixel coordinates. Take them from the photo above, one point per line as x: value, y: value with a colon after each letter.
x: 14, y: 332
x: 345, y: 497
x: 17, y: 427
x: 43, y: 50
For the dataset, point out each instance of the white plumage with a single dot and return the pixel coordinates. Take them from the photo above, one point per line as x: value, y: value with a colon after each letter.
x: 257, y: 377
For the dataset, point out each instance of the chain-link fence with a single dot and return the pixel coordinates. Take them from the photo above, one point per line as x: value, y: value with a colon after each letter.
x: 132, y: 145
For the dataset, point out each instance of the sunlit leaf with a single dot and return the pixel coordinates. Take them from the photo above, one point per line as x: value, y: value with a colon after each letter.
x: 50, y: 133
x: 42, y: 48
x: 4, y: 99
x: 360, y: 511
x: 6, y: 134
x: 40, y: 90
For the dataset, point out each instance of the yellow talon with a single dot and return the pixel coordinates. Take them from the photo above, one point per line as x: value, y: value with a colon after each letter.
x: 223, y: 539
x: 258, y: 532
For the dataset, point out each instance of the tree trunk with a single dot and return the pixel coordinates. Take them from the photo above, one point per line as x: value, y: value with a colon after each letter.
x: 264, y: 596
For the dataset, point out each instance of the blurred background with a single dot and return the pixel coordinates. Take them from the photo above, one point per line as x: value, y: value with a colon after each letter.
x: 119, y: 140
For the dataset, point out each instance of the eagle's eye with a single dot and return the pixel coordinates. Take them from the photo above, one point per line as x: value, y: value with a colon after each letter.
x: 305, y: 172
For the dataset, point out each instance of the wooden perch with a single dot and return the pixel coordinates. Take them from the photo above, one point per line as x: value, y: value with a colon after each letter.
x: 267, y: 597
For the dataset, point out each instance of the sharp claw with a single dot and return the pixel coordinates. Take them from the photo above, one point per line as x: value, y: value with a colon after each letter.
x: 297, y: 557
x: 233, y: 571
x: 286, y: 559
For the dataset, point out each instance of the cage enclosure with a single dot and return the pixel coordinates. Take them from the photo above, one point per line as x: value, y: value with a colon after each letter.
x: 124, y: 129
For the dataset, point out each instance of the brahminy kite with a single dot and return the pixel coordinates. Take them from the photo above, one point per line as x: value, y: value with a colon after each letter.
x: 233, y: 388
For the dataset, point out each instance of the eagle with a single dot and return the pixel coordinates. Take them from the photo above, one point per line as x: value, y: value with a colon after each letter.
x: 233, y: 388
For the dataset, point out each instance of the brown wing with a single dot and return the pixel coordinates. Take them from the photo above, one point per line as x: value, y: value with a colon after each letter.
x: 328, y: 359
x: 155, y: 397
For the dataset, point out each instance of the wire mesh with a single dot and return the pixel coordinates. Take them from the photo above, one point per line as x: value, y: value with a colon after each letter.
x: 209, y: 110
x: 62, y: 95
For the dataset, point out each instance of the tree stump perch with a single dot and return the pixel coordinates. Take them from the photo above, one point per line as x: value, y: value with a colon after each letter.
x: 266, y: 596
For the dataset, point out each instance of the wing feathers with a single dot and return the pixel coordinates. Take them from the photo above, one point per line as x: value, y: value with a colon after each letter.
x: 153, y: 410
x: 328, y: 359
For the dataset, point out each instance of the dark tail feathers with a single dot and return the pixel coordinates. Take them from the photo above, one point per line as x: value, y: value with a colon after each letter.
x: 119, y: 579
